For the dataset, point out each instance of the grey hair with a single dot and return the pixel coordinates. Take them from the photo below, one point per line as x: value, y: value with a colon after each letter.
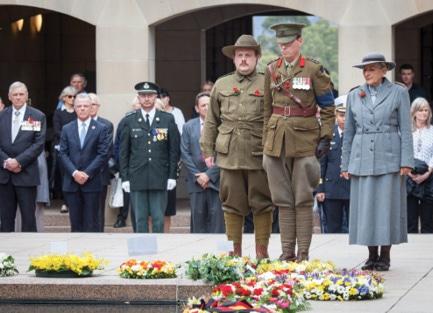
x: 418, y: 104
x: 82, y: 96
x: 67, y: 91
x: 16, y: 85
x: 81, y: 76
x: 94, y: 97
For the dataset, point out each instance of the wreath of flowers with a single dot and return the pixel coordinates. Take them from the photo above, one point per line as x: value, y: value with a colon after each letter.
x: 242, y: 283
x: 82, y: 265
x: 7, y: 265
x: 133, y: 268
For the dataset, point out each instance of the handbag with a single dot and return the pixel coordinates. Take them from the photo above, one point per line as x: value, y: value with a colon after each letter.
x: 116, y: 192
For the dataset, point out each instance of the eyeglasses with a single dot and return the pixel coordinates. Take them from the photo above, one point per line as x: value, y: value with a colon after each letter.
x: 70, y: 96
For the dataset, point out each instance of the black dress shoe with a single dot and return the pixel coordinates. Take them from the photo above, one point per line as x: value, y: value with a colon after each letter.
x: 119, y: 223
x: 369, y: 265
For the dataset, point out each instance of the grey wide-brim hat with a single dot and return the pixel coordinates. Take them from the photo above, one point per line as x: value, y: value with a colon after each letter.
x: 244, y: 41
x: 374, y: 57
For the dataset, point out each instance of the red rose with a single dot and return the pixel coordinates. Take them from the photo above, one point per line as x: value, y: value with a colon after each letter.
x: 275, y: 292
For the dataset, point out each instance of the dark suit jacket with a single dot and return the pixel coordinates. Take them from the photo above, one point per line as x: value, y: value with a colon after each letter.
x: 148, y: 158
x: 26, y: 148
x: 334, y: 186
x: 105, y: 171
x: 192, y: 157
x: 90, y: 159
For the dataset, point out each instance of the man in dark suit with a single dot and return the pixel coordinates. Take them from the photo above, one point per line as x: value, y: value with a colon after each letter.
x: 22, y: 139
x: 106, y: 176
x: 149, y: 152
x: 203, y: 182
x: 333, y: 190
x: 84, y: 146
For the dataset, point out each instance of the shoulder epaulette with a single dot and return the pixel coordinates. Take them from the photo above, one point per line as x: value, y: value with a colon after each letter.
x: 275, y: 60
x: 129, y: 113
x: 312, y: 60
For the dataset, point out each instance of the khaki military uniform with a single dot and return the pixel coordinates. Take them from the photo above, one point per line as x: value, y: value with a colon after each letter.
x: 233, y: 134
x: 290, y: 135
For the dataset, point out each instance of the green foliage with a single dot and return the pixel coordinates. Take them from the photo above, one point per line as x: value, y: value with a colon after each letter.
x: 320, y: 42
x: 218, y: 269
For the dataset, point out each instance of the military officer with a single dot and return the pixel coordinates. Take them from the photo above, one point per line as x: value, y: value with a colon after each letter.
x: 149, y: 152
x: 294, y: 138
x: 232, y: 136
x: 333, y: 190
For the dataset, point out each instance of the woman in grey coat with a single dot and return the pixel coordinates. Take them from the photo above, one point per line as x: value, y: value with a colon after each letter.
x: 377, y: 154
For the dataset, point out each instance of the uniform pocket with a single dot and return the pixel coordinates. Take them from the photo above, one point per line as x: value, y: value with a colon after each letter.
x: 256, y: 143
x: 257, y: 103
x: 228, y: 101
x: 270, y: 134
x: 307, y: 134
x: 222, y: 143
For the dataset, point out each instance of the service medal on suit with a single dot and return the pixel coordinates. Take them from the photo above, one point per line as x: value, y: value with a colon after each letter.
x: 20, y: 188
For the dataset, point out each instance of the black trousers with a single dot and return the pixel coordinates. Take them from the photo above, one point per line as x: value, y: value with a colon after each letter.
x: 336, y: 213
x: 10, y: 197
x: 83, y: 210
x: 101, y: 211
x: 419, y: 209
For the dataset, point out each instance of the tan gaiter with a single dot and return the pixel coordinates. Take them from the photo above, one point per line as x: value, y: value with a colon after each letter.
x: 234, y: 227
x: 304, y: 230
x: 263, y: 228
x: 287, y: 222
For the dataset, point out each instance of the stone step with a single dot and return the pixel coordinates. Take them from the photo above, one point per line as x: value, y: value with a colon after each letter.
x: 110, y: 229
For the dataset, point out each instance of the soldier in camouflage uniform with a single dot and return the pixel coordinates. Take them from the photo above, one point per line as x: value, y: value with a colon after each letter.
x: 232, y: 135
x: 294, y: 137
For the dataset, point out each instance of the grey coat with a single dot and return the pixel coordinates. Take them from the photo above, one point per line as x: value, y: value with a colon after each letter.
x: 377, y: 137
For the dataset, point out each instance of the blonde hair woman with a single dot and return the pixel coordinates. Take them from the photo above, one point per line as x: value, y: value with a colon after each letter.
x: 420, y: 196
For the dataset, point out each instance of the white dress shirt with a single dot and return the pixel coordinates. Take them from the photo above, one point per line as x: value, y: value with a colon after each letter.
x: 151, y: 114
x: 22, y: 111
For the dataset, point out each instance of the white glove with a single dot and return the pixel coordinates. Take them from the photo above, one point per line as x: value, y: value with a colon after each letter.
x: 171, y: 184
x: 126, y: 187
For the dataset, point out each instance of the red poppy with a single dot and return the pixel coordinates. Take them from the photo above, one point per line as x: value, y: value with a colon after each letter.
x: 236, y: 90
x: 257, y: 93
x: 258, y: 291
x: 30, y: 120
x: 226, y: 290
x: 287, y: 84
x: 362, y: 93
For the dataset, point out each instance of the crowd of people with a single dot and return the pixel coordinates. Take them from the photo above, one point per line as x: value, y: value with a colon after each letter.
x: 258, y: 143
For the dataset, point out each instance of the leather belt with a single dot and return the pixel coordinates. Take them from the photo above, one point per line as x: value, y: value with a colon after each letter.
x: 290, y: 110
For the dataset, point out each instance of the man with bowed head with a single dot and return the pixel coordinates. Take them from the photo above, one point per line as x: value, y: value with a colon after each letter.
x: 149, y: 152
x: 233, y: 135
x: 295, y: 86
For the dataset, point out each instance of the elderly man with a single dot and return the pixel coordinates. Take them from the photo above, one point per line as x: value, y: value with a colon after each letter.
x: 83, y: 161
x: 96, y: 104
x: 149, y: 152
x: 22, y: 139
x: 232, y: 135
x: 294, y: 138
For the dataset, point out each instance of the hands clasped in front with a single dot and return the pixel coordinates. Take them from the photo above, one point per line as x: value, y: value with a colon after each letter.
x: 80, y: 177
x: 12, y: 165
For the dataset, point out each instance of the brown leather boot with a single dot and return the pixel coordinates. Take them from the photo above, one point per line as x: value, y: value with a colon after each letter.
x: 372, y: 258
x: 262, y: 251
x: 288, y: 256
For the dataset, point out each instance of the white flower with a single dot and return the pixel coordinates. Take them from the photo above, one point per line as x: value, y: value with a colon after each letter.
x: 136, y: 268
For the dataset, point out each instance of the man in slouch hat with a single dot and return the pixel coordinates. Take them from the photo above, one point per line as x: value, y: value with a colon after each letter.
x: 232, y: 138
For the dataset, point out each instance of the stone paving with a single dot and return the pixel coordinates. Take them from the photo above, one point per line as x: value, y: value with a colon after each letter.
x: 407, y: 285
